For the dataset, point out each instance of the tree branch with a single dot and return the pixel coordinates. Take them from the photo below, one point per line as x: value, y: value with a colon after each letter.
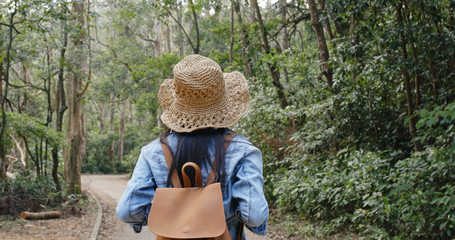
x: 294, y: 22
x: 11, y: 26
x: 112, y: 50
x: 146, y: 39
x: 183, y: 29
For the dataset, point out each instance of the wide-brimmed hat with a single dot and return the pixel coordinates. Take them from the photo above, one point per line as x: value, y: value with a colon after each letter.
x: 202, y: 96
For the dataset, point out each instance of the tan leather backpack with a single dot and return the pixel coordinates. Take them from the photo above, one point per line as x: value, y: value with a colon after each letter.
x: 189, y: 212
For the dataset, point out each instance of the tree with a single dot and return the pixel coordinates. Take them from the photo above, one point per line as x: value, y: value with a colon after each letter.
x: 273, y: 70
x: 321, y: 41
x: 75, y: 140
x: 4, y: 91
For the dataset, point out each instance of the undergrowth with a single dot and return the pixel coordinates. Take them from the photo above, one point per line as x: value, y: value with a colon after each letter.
x: 29, y: 193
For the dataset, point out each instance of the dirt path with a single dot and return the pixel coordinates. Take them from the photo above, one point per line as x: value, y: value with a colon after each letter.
x: 108, y: 189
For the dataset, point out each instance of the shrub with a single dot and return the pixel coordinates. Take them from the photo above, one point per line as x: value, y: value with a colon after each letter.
x: 381, y: 195
x: 28, y: 193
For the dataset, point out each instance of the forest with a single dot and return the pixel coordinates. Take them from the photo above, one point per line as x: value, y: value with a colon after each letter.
x: 352, y: 101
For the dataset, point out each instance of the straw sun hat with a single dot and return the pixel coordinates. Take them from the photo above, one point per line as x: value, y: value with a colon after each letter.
x: 202, y: 96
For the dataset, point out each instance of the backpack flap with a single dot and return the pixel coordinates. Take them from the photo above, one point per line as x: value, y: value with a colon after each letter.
x: 193, y: 212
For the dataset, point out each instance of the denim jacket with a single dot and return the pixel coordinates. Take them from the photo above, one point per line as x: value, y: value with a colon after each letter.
x: 242, y: 188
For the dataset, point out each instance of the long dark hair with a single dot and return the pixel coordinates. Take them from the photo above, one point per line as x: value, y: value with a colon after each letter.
x: 194, y: 147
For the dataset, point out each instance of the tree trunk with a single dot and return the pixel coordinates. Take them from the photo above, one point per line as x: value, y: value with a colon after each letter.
x: 84, y: 137
x: 407, y: 85
x: 321, y: 41
x: 168, y: 37
x: 273, y: 70
x: 284, y: 31
x: 24, y: 100
x: 121, y: 132
x: 245, y: 40
x: 48, y: 89
x: 100, y: 112
x: 34, y: 159
x: 252, y: 8
x: 158, y: 51
x: 231, y: 46
x: 40, y: 215
x: 4, y: 93
x: 2, y: 146
x: 60, y: 102
x: 284, y: 35
x: 20, y: 149
x: 196, y: 25
x: 111, y: 130
x: 75, y: 137
x: 326, y: 20
x: 180, y: 32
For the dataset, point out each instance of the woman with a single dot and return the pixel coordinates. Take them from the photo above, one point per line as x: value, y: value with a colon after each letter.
x: 199, y: 105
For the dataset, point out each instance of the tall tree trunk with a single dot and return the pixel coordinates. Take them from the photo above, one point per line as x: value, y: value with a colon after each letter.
x: 84, y: 137
x: 252, y: 13
x: 407, y: 85
x: 326, y: 20
x: 2, y: 145
x: 273, y: 70
x: 48, y: 89
x: 4, y: 93
x: 75, y: 141
x: 121, y: 131
x: 180, y: 32
x: 168, y: 37
x: 231, y: 46
x: 158, y: 39
x: 99, y: 107
x: 111, y: 130
x: 196, y: 25
x: 220, y: 16
x: 418, y: 77
x: 60, y: 102
x: 24, y: 100
x: 245, y: 40
x: 284, y: 31
x: 321, y: 41
x: 284, y: 34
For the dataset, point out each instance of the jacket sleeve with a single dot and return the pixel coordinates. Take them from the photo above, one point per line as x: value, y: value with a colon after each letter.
x: 247, y: 190
x: 134, y: 205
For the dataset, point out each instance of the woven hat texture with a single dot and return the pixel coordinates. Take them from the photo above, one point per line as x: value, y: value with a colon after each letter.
x: 202, y: 96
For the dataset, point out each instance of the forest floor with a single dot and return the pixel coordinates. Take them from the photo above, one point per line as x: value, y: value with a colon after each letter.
x: 75, y: 222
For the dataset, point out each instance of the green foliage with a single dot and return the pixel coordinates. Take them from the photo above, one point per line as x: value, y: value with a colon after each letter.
x: 29, y: 127
x: 413, y: 198
x: 379, y: 194
x: 340, y: 156
x: 436, y: 127
x: 25, y: 192
x: 97, y: 158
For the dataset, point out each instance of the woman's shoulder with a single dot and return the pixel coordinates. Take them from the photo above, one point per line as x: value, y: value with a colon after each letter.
x: 240, y: 139
x: 241, y: 143
x: 152, y: 147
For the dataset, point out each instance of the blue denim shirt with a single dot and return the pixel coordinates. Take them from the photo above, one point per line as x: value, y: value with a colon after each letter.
x: 242, y: 188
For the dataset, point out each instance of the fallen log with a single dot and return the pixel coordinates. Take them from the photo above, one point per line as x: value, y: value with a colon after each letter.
x: 40, y: 215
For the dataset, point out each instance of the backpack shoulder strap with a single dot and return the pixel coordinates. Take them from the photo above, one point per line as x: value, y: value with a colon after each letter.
x: 168, y: 157
x: 212, y: 174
